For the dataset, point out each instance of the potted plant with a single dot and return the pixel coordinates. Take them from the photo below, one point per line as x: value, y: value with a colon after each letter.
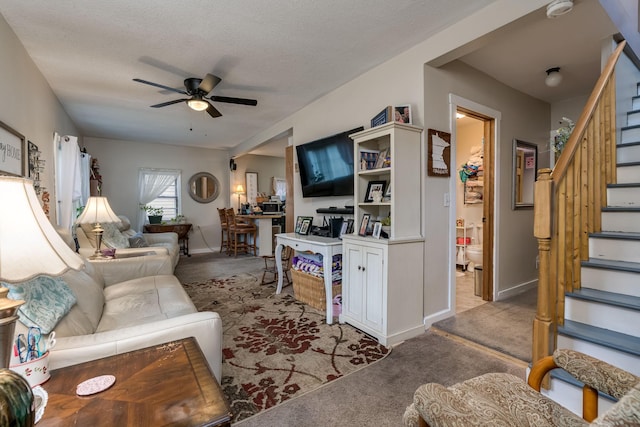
x: 154, y: 214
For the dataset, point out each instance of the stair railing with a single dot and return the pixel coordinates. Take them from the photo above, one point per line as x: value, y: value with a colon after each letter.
x: 567, y: 205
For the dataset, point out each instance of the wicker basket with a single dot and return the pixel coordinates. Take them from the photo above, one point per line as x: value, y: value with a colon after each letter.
x: 310, y: 289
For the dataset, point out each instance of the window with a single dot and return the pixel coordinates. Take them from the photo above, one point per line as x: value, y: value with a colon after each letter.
x: 159, y: 188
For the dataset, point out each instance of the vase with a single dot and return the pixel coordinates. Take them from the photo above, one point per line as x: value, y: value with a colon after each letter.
x: 155, y: 219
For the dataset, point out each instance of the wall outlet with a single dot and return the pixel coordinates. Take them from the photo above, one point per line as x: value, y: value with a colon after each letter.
x: 447, y: 200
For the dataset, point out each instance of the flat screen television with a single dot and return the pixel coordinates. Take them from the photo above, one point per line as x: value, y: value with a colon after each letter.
x: 326, y: 165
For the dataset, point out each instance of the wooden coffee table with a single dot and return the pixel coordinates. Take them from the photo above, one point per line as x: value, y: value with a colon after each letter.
x: 169, y: 384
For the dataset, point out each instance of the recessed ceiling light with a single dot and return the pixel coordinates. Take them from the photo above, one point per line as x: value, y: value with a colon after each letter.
x: 558, y: 8
x: 554, y: 78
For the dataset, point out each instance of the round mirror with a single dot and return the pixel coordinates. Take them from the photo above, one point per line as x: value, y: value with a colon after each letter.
x: 203, y: 187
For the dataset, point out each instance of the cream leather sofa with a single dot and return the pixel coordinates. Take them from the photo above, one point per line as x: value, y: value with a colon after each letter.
x: 134, y: 310
x: 119, y: 236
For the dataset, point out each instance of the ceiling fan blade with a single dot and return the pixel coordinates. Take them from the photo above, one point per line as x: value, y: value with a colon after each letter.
x: 209, y: 82
x: 242, y: 101
x: 213, y: 112
x: 160, y: 86
x: 164, y: 104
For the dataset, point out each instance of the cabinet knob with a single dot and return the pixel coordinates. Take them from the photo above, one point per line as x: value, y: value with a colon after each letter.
x: 362, y: 268
x: 359, y: 267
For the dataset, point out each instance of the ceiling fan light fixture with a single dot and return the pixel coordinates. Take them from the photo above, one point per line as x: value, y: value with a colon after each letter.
x: 558, y: 8
x: 554, y: 78
x: 197, y: 103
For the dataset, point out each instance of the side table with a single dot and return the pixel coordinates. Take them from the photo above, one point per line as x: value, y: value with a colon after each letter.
x: 182, y: 230
x: 167, y: 384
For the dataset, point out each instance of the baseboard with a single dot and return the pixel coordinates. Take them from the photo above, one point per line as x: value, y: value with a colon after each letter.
x: 204, y: 250
x: 515, y: 290
x: 436, y: 317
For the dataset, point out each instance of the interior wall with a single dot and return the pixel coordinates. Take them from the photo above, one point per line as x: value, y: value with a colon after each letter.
x: 515, y: 248
x: 29, y: 106
x: 120, y: 162
x: 266, y: 167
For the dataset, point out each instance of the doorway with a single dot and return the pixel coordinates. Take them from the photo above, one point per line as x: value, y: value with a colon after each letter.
x: 480, y: 198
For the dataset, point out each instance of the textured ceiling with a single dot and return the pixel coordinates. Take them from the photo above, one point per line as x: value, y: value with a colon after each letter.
x: 284, y: 53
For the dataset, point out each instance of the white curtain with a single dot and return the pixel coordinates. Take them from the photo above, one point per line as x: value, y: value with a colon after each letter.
x: 68, y: 180
x: 85, y: 177
x: 152, y: 183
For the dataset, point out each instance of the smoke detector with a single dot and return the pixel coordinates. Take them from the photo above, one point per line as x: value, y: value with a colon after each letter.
x: 559, y: 7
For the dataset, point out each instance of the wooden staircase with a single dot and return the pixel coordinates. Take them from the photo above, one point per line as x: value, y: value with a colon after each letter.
x: 595, y: 310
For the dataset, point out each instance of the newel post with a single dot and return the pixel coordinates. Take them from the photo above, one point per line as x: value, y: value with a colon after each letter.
x: 542, y: 225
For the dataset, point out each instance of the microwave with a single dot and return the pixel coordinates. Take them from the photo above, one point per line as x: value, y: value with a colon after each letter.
x: 271, y: 207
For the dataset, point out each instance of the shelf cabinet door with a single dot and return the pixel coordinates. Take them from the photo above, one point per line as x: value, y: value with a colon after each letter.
x: 363, y: 285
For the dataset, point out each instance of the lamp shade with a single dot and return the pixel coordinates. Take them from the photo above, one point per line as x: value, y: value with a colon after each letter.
x: 97, y: 211
x: 239, y: 189
x: 29, y: 244
x: 197, y: 103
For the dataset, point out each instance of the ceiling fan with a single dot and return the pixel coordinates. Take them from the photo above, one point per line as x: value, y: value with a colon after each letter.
x: 197, y: 90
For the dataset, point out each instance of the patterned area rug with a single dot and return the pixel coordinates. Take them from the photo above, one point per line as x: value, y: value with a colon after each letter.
x: 276, y: 348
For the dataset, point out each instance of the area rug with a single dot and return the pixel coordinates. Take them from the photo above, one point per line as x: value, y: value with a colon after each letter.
x: 276, y: 348
x: 505, y: 326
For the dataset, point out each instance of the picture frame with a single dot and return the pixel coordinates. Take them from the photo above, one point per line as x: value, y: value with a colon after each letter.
x: 439, y: 153
x: 384, y: 116
x: 251, y: 186
x: 33, y: 155
x: 299, y: 222
x: 305, y: 226
x: 402, y: 114
x: 349, y: 226
x: 364, y: 224
x: 368, y: 159
x: 11, y: 151
x: 382, y: 159
x: 374, y: 186
x: 377, y: 228
x: 343, y: 229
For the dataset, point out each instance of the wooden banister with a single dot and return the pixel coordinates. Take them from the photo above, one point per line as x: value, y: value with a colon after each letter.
x: 567, y: 206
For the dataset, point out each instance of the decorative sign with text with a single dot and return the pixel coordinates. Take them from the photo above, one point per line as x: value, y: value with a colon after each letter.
x: 11, y: 151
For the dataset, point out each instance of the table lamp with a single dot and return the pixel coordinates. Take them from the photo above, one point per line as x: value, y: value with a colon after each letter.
x: 239, y: 191
x: 29, y: 247
x: 97, y: 212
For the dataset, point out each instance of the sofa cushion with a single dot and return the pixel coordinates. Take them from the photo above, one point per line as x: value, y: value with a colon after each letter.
x: 137, y: 241
x: 47, y: 300
x: 113, y: 238
x: 124, y: 224
x: 84, y: 317
x: 143, y: 300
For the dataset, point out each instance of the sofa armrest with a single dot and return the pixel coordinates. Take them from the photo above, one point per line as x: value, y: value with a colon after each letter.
x: 205, y: 327
x: 122, y: 269
x: 154, y: 238
x: 439, y: 407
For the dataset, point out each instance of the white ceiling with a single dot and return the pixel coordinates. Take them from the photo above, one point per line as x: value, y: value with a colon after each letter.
x: 284, y: 53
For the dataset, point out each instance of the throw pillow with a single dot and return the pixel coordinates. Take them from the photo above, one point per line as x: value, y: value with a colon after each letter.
x: 137, y: 241
x: 47, y: 300
x: 113, y: 238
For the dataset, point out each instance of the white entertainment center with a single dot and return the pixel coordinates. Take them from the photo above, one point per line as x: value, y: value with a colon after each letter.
x: 382, y: 279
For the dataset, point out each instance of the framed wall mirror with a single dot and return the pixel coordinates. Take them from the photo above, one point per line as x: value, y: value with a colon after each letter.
x: 203, y: 187
x: 525, y: 166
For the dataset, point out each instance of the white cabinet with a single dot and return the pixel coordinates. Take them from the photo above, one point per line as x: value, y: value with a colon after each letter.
x: 382, y: 279
x: 382, y: 288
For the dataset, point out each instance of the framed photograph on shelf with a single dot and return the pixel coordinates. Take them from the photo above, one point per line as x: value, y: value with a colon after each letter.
x: 349, y: 226
x: 343, y: 229
x: 299, y: 222
x: 372, y: 187
x: 368, y: 159
x: 377, y: 228
x: 12, y: 158
x: 305, y: 226
x: 402, y: 114
x: 364, y: 224
x: 383, y: 161
x: 384, y: 116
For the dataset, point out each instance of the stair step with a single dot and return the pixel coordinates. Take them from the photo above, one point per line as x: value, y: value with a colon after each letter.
x: 624, y: 343
x: 635, y: 103
x: 623, y: 194
x: 633, y: 117
x: 628, y: 173
x: 613, y: 276
x: 628, y: 152
x: 607, y: 310
x: 630, y: 134
x: 621, y: 218
x: 614, y: 245
x: 567, y: 391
